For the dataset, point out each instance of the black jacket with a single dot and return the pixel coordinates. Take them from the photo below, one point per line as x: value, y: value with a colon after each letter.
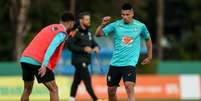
x: 76, y: 44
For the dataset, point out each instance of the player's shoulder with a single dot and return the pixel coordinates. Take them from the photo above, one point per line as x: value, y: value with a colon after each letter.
x: 139, y: 23
x: 118, y: 21
x: 56, y: 27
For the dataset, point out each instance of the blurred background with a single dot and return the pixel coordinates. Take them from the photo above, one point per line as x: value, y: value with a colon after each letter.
x: 175, y: 28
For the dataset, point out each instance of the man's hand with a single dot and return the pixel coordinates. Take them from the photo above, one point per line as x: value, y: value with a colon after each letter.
x: 147, y: 60
x: 105, y: 20
x: 88, y: 49
x: 97, y: 50
x: 42, y: 71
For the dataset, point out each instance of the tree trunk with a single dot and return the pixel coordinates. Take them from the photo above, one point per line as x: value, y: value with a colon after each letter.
x: 13, y: 13
x: 72, y: 6
x: 160, y: 27
x: 18, y: 16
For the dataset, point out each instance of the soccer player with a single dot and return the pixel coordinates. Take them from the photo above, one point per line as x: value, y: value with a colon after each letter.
x: 127, y: 34
x: 41, y: 55
x: 82, y: 44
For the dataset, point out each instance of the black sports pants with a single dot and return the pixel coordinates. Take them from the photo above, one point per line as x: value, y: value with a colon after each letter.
x: 82, y: 73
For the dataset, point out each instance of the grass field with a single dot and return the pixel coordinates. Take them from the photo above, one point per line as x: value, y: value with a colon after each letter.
x: 160, y: 100
x: 165, y: 100
x: 11, y: 90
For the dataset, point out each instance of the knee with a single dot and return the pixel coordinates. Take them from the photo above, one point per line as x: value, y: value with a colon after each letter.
x: 129, y: 88
x: 53, y: 89
x: 112, y: 91
x: 27, y: 91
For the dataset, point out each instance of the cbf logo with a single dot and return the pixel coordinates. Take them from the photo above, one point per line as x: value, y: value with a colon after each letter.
x: 127, y: 40
x: 135, y: 29
x: 54, y: 28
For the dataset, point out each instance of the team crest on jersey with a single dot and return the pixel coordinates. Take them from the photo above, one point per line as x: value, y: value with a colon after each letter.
x: 127, y: 40
x: 135, y: 29
x: 54, y: 28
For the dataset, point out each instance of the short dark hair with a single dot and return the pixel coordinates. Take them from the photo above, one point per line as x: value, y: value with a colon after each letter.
x: 81, y: 15
x: 67, y: 16
x: 126, y: 6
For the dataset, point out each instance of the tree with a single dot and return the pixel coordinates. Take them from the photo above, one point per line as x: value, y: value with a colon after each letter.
x: 72, y: 6
x: 18, y: 12
x: 160, y: 27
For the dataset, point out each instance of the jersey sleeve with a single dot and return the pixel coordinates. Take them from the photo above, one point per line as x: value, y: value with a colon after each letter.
x: 109, y: 29
x: 145, y: 33
x: 58, y: 39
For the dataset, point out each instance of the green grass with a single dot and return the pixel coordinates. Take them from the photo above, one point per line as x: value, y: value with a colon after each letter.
x: 156, y: 100
x: 164, y: 100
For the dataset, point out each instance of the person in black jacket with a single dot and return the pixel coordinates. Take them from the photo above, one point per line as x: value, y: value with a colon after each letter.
x: 82, y: 44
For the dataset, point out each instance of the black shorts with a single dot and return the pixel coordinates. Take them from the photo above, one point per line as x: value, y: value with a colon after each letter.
x: 29, y: 71
x: 116, y: 73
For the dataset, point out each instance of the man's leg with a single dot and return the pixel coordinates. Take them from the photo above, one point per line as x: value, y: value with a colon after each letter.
x: 87, y: 81
x: 129, y: 86
x: 74, y: 87
x: 113, y: 78
x: 129, y: 77
x: 112, y: 93
x: 28, y: 78
x: 49, y: 81
x: 53, y: 89
x: 28, y: 85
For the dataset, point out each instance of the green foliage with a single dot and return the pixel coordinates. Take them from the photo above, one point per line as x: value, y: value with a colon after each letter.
x: 187, y: 47
x: 191, y: 43
x: 44, y: 12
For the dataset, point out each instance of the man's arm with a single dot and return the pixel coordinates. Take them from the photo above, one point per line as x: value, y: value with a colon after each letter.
x: 57, y: 40
x: 149, y: 52
x: 146, y: 36
x: 71, y: 43
x: 95, y: 46
x: 99, y: 30
x: 149, y: 47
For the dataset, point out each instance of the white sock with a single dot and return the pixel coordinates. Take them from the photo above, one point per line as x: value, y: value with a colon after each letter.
x: 72, y: 99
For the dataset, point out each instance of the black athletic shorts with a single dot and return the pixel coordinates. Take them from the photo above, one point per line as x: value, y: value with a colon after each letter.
x: 128, y: 73
x: 29, y: 71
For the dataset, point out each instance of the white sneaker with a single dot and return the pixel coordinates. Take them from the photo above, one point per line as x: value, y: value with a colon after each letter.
x: 72, y: 99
